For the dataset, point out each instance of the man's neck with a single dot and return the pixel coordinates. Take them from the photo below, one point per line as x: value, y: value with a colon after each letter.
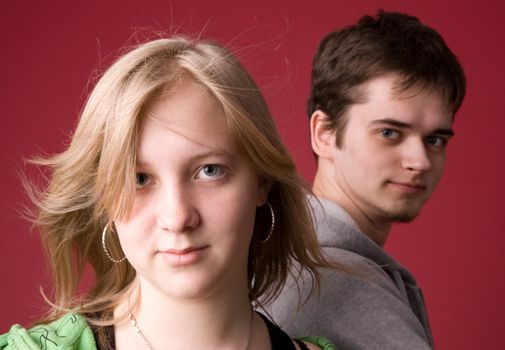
x: 376, y: 230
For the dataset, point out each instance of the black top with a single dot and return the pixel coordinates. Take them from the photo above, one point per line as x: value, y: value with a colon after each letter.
x: 278, y: 338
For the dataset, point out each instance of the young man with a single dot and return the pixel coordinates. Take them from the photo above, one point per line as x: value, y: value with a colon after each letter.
x: 384, y: 95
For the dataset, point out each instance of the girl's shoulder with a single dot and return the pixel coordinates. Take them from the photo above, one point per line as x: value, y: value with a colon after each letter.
x: 71, y: 331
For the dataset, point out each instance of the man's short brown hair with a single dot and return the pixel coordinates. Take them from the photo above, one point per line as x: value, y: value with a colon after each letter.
x: 390, y: 42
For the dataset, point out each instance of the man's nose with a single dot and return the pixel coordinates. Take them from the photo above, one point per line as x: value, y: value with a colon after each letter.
x: 415, y: 156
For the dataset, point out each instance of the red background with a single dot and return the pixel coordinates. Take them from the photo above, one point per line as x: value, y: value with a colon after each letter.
x: 455, y: 248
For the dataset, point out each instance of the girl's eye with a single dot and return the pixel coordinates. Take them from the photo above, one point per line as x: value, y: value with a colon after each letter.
x: 211, y: 171
x: 141, y: 179
x: 389, y: 133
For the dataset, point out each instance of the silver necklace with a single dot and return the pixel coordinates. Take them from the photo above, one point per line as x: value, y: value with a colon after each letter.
x: 135, y: 325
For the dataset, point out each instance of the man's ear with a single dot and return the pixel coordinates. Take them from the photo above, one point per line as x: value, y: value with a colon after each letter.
x: 321, y: 137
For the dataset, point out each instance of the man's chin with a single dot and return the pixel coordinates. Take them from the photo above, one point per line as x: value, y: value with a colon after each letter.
x: 404, y: 216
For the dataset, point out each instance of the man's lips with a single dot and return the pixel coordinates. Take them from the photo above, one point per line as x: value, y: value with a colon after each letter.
x: 409, y: 187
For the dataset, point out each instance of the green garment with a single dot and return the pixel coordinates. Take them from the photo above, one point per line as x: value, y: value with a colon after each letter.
x: 71, y: 332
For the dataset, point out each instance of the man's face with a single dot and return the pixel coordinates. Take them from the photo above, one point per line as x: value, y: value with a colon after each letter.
x: 393, y: 150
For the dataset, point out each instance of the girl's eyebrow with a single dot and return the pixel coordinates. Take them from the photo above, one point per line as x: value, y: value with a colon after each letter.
x: 214, y: 152
x: 221, y: 153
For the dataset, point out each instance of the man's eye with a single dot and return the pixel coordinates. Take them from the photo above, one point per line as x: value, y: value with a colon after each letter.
x: 141, y: 179
x: 436, y: 141
x: 211, y: 171
x: 389, y: 133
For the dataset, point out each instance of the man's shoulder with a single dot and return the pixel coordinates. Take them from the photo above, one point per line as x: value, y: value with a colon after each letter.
x: 354, y: 267
x: 359, y: 308
x: 71, y: 331
x: 360, y: 277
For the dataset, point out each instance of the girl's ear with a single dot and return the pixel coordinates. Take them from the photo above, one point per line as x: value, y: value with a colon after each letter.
x: 322, y: 138
x: 265, y: 186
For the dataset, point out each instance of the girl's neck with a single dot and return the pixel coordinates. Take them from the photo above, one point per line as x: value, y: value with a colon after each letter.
x: 215, y: 322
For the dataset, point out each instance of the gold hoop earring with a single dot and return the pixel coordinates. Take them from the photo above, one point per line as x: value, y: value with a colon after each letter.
x: 104, y: 233
x: 272, y: 225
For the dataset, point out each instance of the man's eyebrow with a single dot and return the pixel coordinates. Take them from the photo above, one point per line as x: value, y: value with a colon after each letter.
x: 393, y: 122
x: 444, y: 132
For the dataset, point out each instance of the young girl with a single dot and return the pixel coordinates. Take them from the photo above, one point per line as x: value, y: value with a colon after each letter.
x: 178, y: 193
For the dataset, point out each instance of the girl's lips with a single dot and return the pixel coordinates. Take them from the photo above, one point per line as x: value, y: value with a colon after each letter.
x: 181, y: 251
x: 183, y: 257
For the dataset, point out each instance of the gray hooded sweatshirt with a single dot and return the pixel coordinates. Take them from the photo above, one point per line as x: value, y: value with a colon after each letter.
x: 377, y: 305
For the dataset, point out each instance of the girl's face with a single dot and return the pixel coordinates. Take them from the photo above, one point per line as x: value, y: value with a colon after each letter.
x: 189, y: 230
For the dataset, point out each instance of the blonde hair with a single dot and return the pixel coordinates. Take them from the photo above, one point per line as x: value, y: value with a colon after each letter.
x: 92, y: 182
